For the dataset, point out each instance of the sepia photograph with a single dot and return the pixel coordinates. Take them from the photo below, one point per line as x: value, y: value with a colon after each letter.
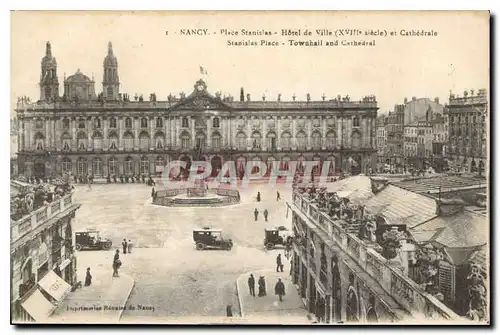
x: 250, y: 167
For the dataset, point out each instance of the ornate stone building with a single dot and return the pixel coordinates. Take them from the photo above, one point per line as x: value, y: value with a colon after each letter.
x: 468, y: 130
x: 111, y: 134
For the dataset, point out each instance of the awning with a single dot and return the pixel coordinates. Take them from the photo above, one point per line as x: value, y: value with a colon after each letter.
x: 38, y: 307
x: 54, y: 285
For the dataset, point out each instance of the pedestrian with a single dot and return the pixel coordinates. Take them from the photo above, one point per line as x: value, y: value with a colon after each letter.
x: 229, y: 310
x: 129, y: 246
x: 279, y: 289
x: 251, y: 284
x: 124, y: 245
x: 153, y: 192
x: 116, y: 263
x: 88, y: 278
x: 262, y: 286
x: 88, y: 182
x: 258, y: 196
x: 256, y: 214
x: 266, y: 213
x: 279, y: 264
x: 278, y: 196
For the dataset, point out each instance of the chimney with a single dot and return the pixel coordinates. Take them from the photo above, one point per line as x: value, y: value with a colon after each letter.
x: 447, y: 207
x: 378, y: 184
x: 436, y: 100
x: 413, y: 98
x: 242, y: 94
x: 406, y: 100
x: 481, y: 200
x: 248, y: 96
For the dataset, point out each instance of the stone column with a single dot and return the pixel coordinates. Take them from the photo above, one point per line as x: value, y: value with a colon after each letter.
x: 209, y: 131
x: 105, y: 125
x: 47, y: 134
x: 309, y: 133
x: 278, y: 133
x: 265, y: 144
x: 137, y: 124
x: 74, y: 140
x: 193, y: 131
x: 20, y: 136
x: 152, y: 127
x: 89, y: 133
x: 340, y: 138
x: 121, y: 128
x: 177, y: 131
x: 349, y: 132
x: 249, y: 133
x: 323, y: 131
x: 57, y: 135
x: 294, y: 135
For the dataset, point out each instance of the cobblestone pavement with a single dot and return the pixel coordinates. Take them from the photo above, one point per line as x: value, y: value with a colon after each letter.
x: 170, y: 274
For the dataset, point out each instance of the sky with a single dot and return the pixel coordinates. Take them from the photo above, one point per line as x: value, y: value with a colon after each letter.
x: 457, y: 59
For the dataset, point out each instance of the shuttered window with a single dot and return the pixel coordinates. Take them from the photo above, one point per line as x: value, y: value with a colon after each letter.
x: 446, y: 280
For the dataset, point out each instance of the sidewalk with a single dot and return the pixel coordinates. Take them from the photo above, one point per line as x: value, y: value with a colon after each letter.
x: 102, y: 302
x: 290, y: 311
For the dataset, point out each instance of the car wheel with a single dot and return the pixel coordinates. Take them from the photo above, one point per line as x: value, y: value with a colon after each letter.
x: 269, y: 246
x: 229, y: 246
x: 107, y: 246
x: 200, y: 246
x: 78, y: 247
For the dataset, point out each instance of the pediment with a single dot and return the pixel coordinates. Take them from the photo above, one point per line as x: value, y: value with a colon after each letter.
x: 200, y: 99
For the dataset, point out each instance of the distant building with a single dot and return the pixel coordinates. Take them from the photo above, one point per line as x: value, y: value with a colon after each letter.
x: 381, y: 138
x: 395, y: 138
x: 417, y: 109
x: 14, y: 145
x: 411, y: 145
x: 468, y: 130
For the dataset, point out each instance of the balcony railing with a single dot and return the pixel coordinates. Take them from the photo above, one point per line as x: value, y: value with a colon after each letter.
x: 403, y: 289
x: 38, y: 217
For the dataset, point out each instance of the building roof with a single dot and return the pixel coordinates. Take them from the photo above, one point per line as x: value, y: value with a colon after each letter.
x: 78, y: 77
x: 462, y: 230
x: 424, y: 185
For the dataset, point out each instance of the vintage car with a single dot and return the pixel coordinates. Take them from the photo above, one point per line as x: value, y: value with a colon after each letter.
x: 276, y: 236
x: 209, y: 238
x: 91, y: 240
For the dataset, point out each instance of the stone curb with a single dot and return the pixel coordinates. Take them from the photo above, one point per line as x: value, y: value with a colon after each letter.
x: 126, y: 296
x: 238, y: 288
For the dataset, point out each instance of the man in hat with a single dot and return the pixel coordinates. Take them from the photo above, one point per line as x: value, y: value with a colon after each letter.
x: 279, y: 264
x: 124, y: 245
x: 266, y: 213
x: 279, y: 289
x: 256, y: 214
x: 251, y: 284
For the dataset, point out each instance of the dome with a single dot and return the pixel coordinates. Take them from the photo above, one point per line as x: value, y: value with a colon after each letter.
x: 78, y: 77
x: 110, y: 59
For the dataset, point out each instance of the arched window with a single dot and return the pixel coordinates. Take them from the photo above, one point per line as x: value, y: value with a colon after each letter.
x: 352, y: 306
x: 271, y: 140
x: 256, y: 140
x: 65, y: 123
x: 159, y: 140
x: 81, y: 123
x: 316, y: 140
x: 144, y: 141
x: 98, y: 141
x: 355, y: 121
x: 301, y: 140
x: 97, y: 167
x: 286, y: 140
x: 144, y: 122
x: 215, y: 122
x: 356, y: 140
x: 81, y: 140
x: 331, y: 140
x: 129, y: 166
x: 159, y: 122
x: 66, y: 165
x: 128, y: 141
x: 112, y: 122
x: 128, y: 123
x: 185, y: 122
x: 185, y: 140
x: 113, y: 141
x: 144, y: 167
x: 112, y: 166
x: 97, y: 123
x: 241, y: 140
x: 216, y: 140
x: 82, y: 169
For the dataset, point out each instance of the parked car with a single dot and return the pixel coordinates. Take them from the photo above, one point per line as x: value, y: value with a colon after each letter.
x: 91, y: 240
x: 276, y: 236
x: 209, y: 238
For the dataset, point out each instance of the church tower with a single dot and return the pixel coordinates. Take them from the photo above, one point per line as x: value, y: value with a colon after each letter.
x: 110, y: 82
x: 49, y: 84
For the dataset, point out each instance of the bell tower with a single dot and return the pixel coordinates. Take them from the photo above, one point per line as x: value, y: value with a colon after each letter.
x: 110, y: 82
x: 49, y: 84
